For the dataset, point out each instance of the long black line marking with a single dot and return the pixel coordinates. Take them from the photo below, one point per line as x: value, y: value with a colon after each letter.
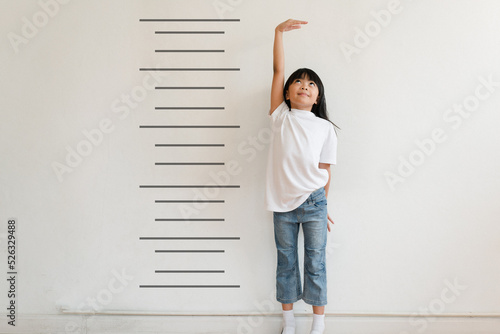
x: 189, y: 20
x: 189, y: 69
x: 189, y: 286
x: 189, y: 186
x: 189, y: 238
x: 189, y: 126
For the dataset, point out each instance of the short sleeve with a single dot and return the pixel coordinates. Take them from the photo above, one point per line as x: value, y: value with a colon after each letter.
x: 329, y: 151
x: 279, y: 111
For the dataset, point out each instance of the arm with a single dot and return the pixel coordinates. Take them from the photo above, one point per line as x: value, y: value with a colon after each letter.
x: 327, y: 167
x: 279, y: 61
x: 327, y: 186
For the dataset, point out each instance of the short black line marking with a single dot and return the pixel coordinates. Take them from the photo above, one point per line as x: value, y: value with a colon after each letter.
x: 189, y: 108
x: 189, y: 219
x: 188, y: 51
x: 189, y: 163
x: 189, y: 201
x: 190, y: 271
x: 189, y: 251
x: 189, y: 145
x: 180, y: 87
x: 206, y: 32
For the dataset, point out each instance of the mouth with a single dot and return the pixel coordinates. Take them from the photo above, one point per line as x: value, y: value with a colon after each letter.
x: 303, y: 94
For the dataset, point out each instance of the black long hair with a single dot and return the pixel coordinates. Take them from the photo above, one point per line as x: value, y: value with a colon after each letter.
x: 318, y: 109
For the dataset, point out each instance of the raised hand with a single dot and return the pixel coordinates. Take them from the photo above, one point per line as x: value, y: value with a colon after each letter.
x: 290, y: 24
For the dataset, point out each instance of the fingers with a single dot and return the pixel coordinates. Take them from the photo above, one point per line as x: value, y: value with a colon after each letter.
x: 291, y: 24
x: 330, y: 220
x: 295, y: 24
x: 297, y: 21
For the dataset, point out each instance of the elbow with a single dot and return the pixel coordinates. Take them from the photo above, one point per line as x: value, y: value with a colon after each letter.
x: 324, y: 166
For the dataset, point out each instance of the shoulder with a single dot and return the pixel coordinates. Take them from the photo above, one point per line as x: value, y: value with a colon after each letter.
x: 327, y: 130
x: 280, y: 110
x: 325, y: 124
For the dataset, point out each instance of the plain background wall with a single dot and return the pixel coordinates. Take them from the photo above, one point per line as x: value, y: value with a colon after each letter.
x: 392, y: 250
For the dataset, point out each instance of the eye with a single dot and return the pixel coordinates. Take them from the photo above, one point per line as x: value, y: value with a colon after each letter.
x: 312, y: 83
x: 297, y: 81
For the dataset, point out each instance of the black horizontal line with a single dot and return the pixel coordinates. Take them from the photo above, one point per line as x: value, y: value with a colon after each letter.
x: 189, y: 251
x: 189, y: 126
x: 189, y: 201
x: 189, y: 108
x: 189, y: 271
x: 189, y: 145
x: 189, y: 219
x: 189, y: 238
x: 189, y: 69
x: 189, y: 20
x: 182, y: 51
x: 190, y: 32
x: 189, y: 87
x: 189, y: 163
x: 189, y: 286
x: 189, y: 186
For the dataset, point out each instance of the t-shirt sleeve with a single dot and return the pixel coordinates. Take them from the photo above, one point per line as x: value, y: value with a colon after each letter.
x: 329, y: 151
x: 279, y: 111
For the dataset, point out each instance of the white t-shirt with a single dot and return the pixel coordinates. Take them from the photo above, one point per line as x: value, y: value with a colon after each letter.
x: 299, y: 143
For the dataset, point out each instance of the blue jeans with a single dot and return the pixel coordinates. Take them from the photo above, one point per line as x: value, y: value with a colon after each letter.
x: 312, y: 214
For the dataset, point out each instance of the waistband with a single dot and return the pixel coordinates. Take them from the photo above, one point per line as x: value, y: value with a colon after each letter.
x: 317, y: 194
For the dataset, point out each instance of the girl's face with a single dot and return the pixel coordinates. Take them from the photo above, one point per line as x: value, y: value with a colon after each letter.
x: 302, y: 93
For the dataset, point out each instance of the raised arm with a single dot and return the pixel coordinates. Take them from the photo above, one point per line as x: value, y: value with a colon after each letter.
x: 279, y: 61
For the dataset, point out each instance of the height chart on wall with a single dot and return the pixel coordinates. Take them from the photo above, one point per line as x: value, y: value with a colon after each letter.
x: 190, y: 129
x: 145, y: 159
x: 184, y: 147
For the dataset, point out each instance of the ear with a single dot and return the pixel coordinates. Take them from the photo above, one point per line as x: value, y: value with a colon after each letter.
x: 286, y: 96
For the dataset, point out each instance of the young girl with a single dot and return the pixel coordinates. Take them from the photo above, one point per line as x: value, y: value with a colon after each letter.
x: 298, y: 177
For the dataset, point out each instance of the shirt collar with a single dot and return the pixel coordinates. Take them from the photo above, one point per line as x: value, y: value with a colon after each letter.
x: 307, y: 113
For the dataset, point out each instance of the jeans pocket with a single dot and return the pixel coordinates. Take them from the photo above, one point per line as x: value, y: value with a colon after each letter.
x: 320, y: 201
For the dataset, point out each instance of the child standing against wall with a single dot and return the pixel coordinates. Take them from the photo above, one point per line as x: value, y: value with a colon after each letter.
x: 303, y: 147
